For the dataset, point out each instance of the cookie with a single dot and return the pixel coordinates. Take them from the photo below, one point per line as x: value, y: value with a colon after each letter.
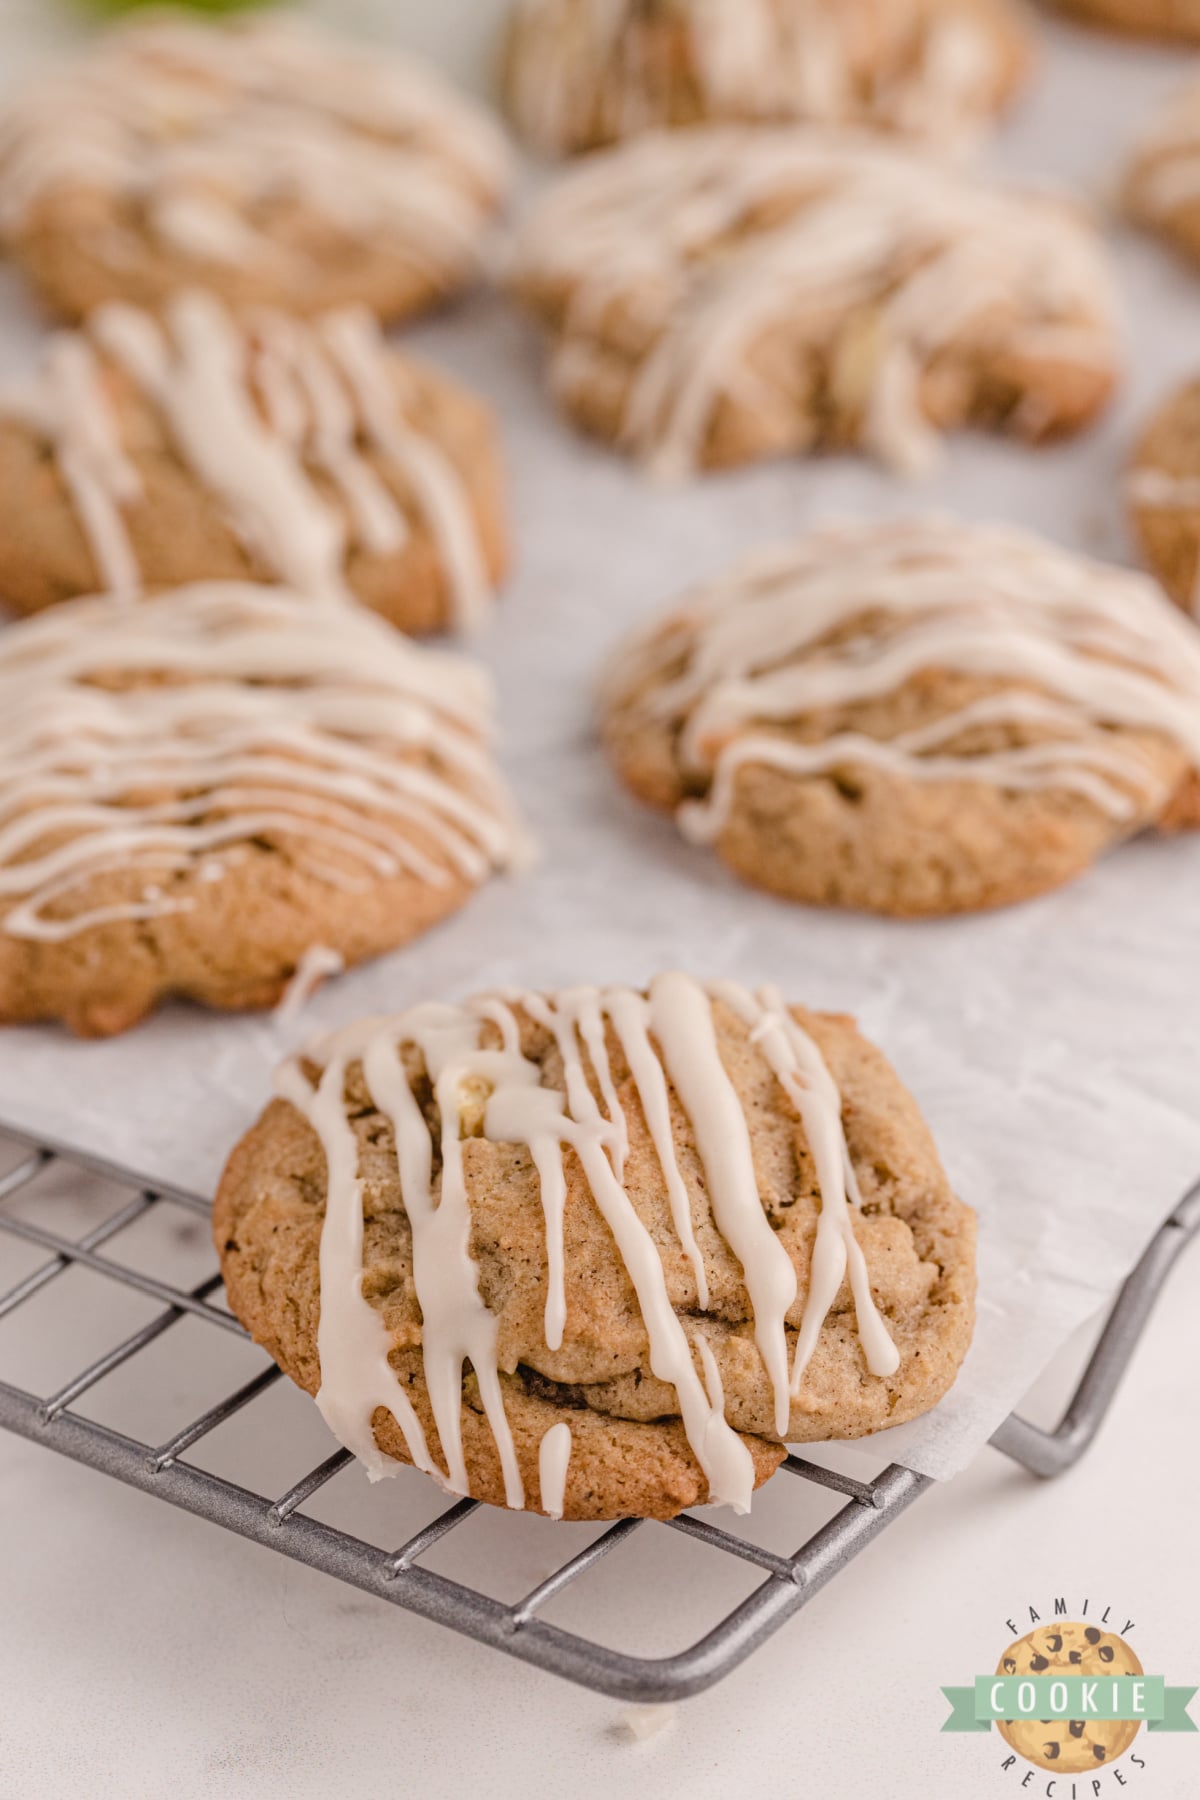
x: 1147, y: 18
x: 1162, y: 180
x: 724, y: 294
x: 1069, y: 1746
x: 914, y: 718
x: 232, y: 787
x: 578, y: 74
x: 257, y: 157
x: 597, y: 1253
x: 1164, y: 496
x: 144, y: 454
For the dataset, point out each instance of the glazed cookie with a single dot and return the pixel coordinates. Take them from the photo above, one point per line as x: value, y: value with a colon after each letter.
x: 724, y: 294
x: 914, y: 718
x: 581, y: 73
x: 1164, y: 496
x: 209, y: 795
x: 1070, y: 1746
x: 145, y: 454
x: 666, y: 1231
x: 1162, y: 182
x: 1148, y: 18
x: 259, y: 157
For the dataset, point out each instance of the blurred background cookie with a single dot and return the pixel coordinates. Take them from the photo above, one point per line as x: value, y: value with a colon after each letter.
x: 581, y: 73
x: 1164, y: 495
x: 1162, y: 181
x: 1147, y: 18
x: 599, y: 1253
x: 269, y: 161
x: 915, y: 718
x: 725, y: 294
x: 143, y: 454
x: 197, y: 794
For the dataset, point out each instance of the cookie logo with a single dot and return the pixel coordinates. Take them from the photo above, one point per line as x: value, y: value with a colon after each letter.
x: 1069, y: 1746
x: 1069, y: 1699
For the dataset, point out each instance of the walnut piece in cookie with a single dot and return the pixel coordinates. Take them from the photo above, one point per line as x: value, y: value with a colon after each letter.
x: 686, y: 1224
x: 196, y: 792
x: 147, y: 452
x: 578, y: 74
x: 260, y: 157
x: 721, y: 295
x: 914, y: 718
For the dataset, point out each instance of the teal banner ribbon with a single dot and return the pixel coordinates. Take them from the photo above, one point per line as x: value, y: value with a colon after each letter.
x: 962, y: 1713
x: 1013, y: 1697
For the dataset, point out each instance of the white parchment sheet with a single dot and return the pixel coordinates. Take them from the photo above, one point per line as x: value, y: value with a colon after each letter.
x: 1055, y: 1048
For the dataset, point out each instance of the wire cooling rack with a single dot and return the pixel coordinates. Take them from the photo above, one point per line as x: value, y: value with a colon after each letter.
x: 401, y: 1576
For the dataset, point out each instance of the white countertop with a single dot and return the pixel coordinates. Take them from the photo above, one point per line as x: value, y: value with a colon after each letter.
x: 144, y: 1653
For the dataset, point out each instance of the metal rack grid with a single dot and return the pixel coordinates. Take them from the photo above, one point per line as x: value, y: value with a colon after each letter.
x: 398, y: 1576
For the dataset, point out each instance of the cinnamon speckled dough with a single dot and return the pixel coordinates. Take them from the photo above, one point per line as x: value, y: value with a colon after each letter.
x: 578, y: 74
x: 629, y: 1454
x: 1146, y: 18
x: 180, y: 530
x: 1164, y: 493
x: 865, y: 835
x: 305, y: 864
x: 273, y: 163
x: 717, y: 296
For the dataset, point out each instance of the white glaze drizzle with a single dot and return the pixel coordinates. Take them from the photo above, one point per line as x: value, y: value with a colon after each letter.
x: 672, y: 1026
x: 554, y: 1458
x: 264, y: 713
x: 934, y: 75
x: 935, y: 261
x: 1082, y: 644
x: 255, y: 412
x: 195, y: 124
x: 1158, y: 488
x: 315, y: 965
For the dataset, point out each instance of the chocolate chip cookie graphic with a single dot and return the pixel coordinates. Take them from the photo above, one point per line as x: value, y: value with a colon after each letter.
x: 1069, y: 1746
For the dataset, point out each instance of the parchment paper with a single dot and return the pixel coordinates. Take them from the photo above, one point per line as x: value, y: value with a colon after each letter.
x: 1055, y: 1048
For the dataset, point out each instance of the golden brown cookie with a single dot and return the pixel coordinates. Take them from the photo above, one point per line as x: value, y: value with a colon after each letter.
x: 1145, y: 18
x: 1162, y: 181
x: 1069, y: 1746
x: 1164, y: 495
x: 143, y: 453
x: 209, y: 795
x: 914, y: 718
x: 259, y: 157
x: 598, y: 1253
x: 725, y: 294
x: 582, y: 73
